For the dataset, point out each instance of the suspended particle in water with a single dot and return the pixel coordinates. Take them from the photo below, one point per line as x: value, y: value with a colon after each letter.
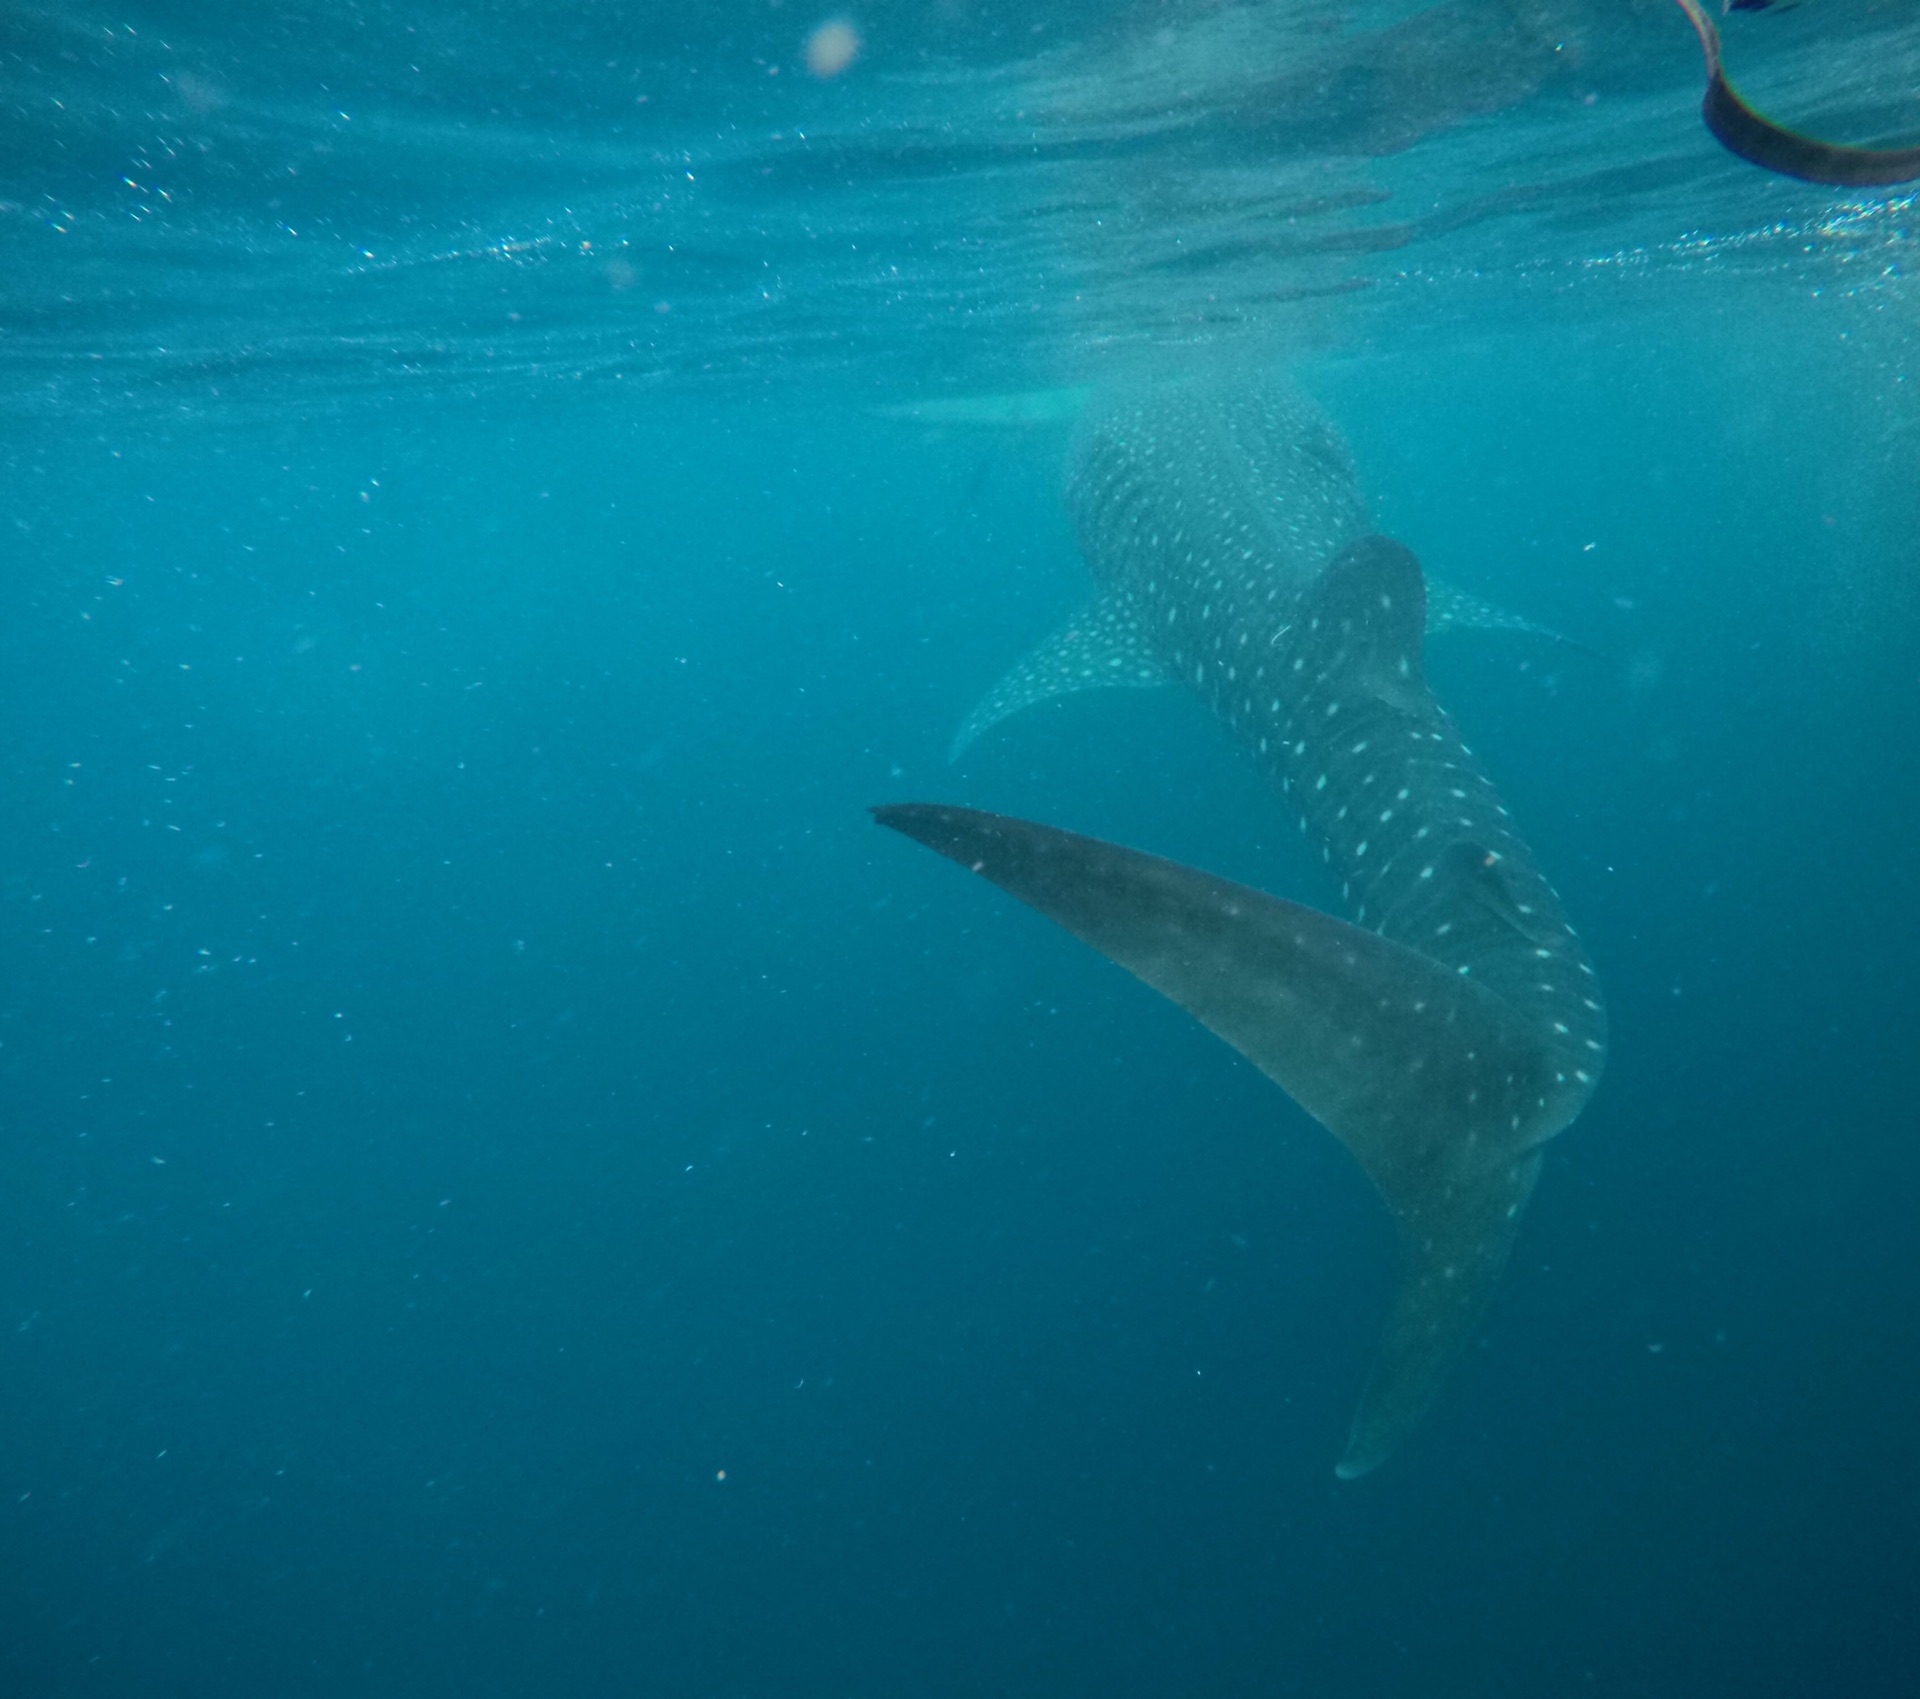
x: 832, y: 47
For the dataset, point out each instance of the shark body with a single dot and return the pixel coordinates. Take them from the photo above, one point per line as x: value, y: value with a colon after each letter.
x: 1454, y: 1024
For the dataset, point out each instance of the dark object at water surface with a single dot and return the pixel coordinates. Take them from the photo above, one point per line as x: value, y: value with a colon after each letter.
x: 1757, y: 139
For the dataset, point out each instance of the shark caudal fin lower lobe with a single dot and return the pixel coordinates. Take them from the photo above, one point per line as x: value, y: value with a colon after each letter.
x: 1429, y: 1078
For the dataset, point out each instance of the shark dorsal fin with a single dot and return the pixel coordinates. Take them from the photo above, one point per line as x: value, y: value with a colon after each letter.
x: 1423, y: 1073
x: 1450, y: 608
x: 1366, y: 616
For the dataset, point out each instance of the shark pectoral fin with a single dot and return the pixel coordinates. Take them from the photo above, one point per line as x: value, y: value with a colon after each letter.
x: 1424, y: 1074
x: 1449, y: 609
x: 1101, y: 646
x: 1377, y: 587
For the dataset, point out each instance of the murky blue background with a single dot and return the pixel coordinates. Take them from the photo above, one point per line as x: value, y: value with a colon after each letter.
x: 511, y: 1185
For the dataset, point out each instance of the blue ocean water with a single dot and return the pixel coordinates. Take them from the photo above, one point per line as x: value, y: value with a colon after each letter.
x: 512, y: 1185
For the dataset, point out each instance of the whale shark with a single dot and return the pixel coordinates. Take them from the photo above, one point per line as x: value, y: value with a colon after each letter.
x: 1452, y: 1024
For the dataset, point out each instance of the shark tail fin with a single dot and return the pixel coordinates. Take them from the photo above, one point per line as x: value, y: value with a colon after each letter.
x: 1101, y: 646
x: 1451, y: 1259
x: 1421, y: 1072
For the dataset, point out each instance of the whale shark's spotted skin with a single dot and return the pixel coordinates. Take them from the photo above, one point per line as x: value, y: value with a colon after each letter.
x: 1454, y: 1024
x: 1213, y: 515
x: 1279, y: 462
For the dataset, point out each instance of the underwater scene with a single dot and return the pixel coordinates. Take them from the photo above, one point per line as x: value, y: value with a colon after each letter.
x: 1377, y: 544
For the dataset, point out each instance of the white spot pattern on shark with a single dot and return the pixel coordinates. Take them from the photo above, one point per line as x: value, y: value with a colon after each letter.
x: 1469, y: 1048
